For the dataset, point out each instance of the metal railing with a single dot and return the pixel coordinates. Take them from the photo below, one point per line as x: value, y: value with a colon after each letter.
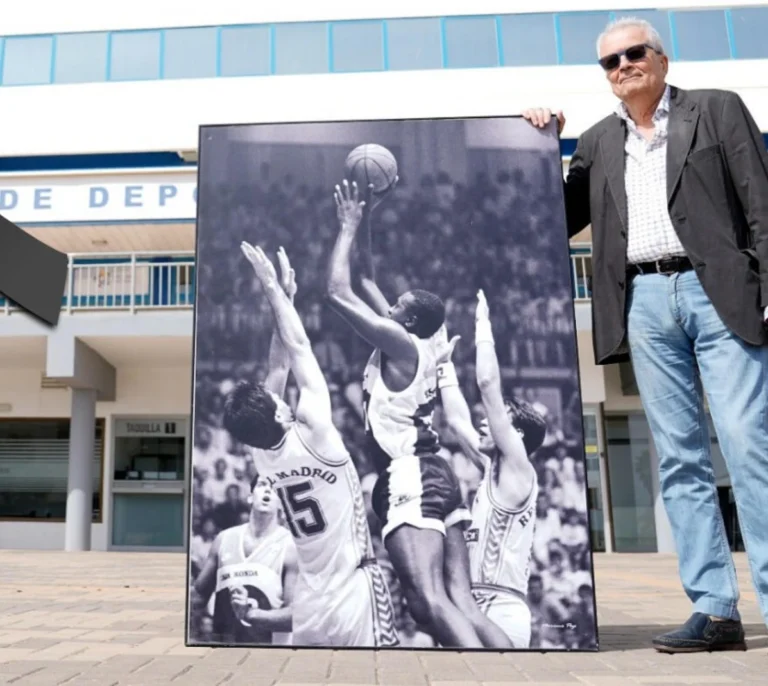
x: 131, y: 282
x: 581, y: 271
x: 151, y: 281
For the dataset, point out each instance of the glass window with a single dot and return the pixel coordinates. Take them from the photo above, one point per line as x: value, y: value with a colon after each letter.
x: 27, y: 61
x: 528, y: 39
x: 471, y: 42
x: 750, y: 27
x: 578, y: 33
x: 245, y: 51
x: 628, y: 439
x: 149, y: 449
x: 135, y: 55
x: 659, y: 19
x: 301, y: 48
x: 80, y: 58
x: 145, y: 520
x: 34, y: 468
x: 594, y: 488
x: 358, y: 46
x: 701, y: 35
x: 414, y: 44
x: 189, y: 53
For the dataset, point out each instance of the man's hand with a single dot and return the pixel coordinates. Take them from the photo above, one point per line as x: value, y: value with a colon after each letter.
x: 239, y: 600
x: 288, y: 275
x: 482, y: 312
x: 264, y: 269
x: 540, y: 117
x: 445, y: 350
x: 349, y: 207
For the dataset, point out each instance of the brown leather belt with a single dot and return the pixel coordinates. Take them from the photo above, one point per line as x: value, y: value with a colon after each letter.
x: 669, y: 265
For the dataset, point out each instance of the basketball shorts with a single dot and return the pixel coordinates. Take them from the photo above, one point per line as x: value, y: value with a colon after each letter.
x: 422, y: 492
x: 508, y: 610
x: 356, y: 614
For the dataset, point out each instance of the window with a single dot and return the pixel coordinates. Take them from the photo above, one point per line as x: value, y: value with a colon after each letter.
x: 189, y: 53
x: 245, y: 51
x: 628, y: 439
x: 750, y: 27
x: 27, y: 61
x: 528, y: 40
x: 578, y: 33
x: 80, y: 58
x: 701, y: 35
x: 471, y: 42
x: 135, y: 56
x: 148, y: 520
x: 358, y: 46
x: 301, y: 48
x: 414, y: 44
x: 659, y: 19
x: 34, y: 468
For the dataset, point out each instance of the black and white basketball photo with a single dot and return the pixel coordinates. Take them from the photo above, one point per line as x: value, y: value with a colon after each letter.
x: 388, y: 444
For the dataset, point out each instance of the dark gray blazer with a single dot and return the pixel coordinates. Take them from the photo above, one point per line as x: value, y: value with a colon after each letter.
x: 717, y: 186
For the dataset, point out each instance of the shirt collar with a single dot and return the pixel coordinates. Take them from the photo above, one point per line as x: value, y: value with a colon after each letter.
x: 661, y: 108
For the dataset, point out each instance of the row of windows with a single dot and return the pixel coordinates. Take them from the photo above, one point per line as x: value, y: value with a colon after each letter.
x: 354, y: 46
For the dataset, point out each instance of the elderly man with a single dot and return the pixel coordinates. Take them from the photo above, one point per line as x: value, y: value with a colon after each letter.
x: 675, y: 186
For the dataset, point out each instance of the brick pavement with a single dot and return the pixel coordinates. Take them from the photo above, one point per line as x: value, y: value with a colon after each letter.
x: 117, y: 619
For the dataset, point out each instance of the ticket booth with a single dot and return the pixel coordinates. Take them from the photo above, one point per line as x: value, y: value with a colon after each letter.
x: 149, y: 490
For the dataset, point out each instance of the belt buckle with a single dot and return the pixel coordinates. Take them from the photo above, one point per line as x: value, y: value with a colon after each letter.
x: 660, y: 266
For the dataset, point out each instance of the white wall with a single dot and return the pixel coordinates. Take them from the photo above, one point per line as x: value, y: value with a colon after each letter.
x: 166, y: 115
x: 140, y: 391
x: 50, y: 16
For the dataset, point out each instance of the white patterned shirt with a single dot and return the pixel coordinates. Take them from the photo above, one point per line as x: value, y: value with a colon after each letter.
x: 650, y: 234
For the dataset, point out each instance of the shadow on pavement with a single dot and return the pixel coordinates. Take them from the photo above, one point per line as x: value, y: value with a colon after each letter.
x: 639, y: 636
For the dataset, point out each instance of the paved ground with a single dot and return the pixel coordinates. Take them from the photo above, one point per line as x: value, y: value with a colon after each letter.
x: 105, y: 619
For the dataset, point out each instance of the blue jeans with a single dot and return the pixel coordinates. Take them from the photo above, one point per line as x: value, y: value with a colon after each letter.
x: 678, y: 343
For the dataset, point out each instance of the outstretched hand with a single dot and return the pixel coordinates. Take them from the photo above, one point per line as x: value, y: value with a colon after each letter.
x: 288, y: 275
x: 349, y: 207
x: 445, y: 350
x: 482, y: 311
x: 261, y: 264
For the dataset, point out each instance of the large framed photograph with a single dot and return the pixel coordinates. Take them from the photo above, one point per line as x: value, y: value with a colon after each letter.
x: 388, y: 447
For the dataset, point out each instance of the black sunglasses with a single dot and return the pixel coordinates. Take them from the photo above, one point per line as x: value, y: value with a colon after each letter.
x: 634, y: 54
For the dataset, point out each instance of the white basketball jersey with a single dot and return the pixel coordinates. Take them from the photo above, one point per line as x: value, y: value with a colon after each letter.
x: 324, y: 509
x: 260, y: 574
x: 500, y: 540
x: 399, y: 424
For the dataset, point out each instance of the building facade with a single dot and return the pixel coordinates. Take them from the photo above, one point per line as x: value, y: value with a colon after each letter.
x: 101, y: 115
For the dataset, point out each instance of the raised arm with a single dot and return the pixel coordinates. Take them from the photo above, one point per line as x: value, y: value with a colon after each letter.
x: 368, y: 283
x: 380, y: 331
x: 279, y: 365
x: 457, y: 414
x: 508, y: 441
x: 314, y: 408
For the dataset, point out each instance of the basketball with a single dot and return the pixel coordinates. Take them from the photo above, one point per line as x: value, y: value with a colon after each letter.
x: 371, y: 164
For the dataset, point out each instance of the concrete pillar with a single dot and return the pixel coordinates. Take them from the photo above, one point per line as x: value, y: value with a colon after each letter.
x: 77, y: 532
x: 664, y: 540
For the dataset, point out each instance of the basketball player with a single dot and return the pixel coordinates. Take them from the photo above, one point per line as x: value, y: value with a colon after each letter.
x: 500, y: 538
x: 417, y: 496
x: 252, y: 570
x: 341, y: 598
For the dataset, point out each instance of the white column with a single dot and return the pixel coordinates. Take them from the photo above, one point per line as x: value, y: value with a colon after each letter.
x: 665, y: 543
x: 77, y: 531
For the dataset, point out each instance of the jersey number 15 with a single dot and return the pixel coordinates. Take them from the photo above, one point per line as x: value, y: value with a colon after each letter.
x: 302, y: 512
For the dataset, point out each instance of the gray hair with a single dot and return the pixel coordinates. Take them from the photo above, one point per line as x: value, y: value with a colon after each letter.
x: 653, y: 36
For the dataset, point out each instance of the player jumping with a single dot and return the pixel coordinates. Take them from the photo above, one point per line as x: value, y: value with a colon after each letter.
x: 251, y: 568
x: 341, y: 598
x: 500, y: 538
x: 417, y: 496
